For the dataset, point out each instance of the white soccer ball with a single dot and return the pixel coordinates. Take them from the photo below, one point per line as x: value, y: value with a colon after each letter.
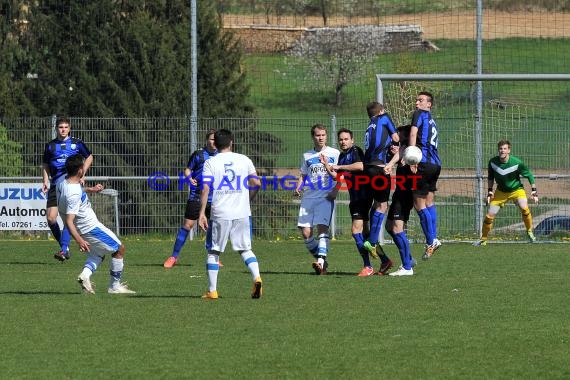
x: 412, y: 155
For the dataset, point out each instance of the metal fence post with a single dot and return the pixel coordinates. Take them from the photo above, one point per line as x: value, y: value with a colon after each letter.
x: 333, y: 143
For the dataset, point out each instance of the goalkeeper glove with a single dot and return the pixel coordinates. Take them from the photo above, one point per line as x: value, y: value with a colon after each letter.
x: 490, y: 195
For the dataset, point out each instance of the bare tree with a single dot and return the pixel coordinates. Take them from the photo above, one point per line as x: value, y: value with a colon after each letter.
x: 334, y: 56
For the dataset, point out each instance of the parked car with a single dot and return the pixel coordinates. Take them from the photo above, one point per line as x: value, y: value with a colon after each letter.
x: 553, y: 224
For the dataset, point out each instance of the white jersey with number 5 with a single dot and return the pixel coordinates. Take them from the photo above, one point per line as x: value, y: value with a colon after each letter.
x: 227, y: 175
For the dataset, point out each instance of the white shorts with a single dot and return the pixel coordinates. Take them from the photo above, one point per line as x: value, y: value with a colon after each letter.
x: 315, y: 211
x: 102, y: 241
x: 237, y: 230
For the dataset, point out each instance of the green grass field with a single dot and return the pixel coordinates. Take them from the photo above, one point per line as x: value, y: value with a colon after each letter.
x: 497, y: 312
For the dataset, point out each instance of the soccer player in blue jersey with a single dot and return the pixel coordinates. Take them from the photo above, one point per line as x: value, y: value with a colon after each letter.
x: 53, y: 172
x: 349, y: 172
x: 193, y: 173
x: 424, y: 135
x: 380, y: 136
x: 400, y: 207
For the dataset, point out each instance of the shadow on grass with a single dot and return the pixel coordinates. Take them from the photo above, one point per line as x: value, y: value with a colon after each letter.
x: 81, y: 261
x: 329, y: 273
x: 159, y: 265
x: 165, y: 296
x: 30, y: 263
x: 38, y: 293
x: 52, y: 293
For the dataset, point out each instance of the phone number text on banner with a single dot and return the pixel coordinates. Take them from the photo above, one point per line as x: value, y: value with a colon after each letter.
x: 22, y: 207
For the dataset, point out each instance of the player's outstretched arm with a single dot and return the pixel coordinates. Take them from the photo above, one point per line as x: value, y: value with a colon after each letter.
x: 94, y: 189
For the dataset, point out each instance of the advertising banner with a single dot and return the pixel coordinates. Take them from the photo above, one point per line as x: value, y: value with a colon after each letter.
x: 23, y: 207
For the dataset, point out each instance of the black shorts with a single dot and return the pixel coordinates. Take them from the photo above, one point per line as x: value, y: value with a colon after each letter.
x: 360, y: 209
x: 51, y: 197
x: 379, y: 185
x: 193, y: 210
x: 401, y: 205
x: 429, y: 174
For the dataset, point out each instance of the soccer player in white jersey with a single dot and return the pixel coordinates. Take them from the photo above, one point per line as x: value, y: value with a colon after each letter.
x: 317, y: 185
x: 91, y: 235
x: 234, y: 182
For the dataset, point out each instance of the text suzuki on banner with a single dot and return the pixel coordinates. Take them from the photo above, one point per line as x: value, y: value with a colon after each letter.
x: 23, y: 207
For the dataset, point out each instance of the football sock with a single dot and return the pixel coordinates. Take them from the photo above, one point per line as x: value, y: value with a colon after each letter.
x: 375, y: 226
x: 65, y: 239
x: 116, y: 271
x: 55, y: 231
x: 323, y: 244
x: 250, y: 261
x: 312, y: 245
x: 87, y: 272
x: 212, y: 267
x: 180, y: 240
x: 365, y: 257
x: 401, y: 241
x: 92, y: 263
x: 487, y: 225
x: 527, y: 218
x: 381, y: 254
x: 433, y: 213
x: 359, y: 240
x: 425, y: 222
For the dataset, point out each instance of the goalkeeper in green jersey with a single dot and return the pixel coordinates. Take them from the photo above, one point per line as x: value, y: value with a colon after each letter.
x: 506, y: 171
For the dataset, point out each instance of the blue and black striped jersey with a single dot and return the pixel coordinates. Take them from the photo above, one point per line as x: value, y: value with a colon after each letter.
x: 56, y: 153
x: 354, y: 154
x: 196, y: 166
x: 378, y: 139
x: 427, y: 138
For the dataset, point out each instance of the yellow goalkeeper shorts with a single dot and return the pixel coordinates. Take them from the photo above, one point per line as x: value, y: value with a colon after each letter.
x: 501, y: 198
